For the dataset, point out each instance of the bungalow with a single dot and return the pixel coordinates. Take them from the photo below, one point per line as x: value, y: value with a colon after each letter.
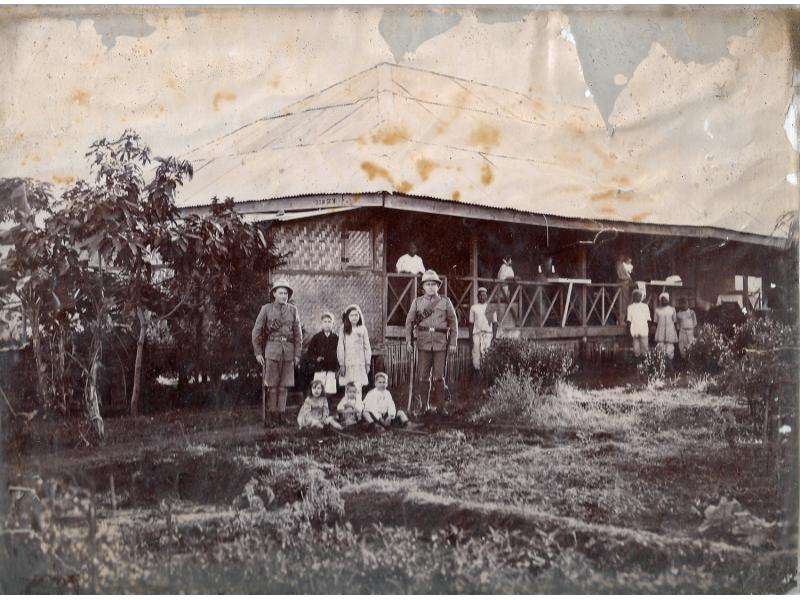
x: 348, y: 177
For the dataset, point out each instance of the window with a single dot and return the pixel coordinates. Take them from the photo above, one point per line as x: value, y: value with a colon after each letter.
x: 357, y: 248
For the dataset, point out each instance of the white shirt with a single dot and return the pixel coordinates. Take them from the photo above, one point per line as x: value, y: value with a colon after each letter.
x: 639, y: 315
x: 505, y: 272
x: 477, y: 316
x: 410, y: 264
x: 380, y: 403
x: 350, y: 410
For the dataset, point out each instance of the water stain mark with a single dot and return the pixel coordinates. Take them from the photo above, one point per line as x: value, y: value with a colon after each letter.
x: 63, y: 179
x: 456, y: 195
x: 80, y: 98
x: 221, y: 97
x: 391, y: 135
x: 374, y: 171
x: 425, y: 167
x: 487, y: 176
x: 484, y: 136
x: 404, y: 187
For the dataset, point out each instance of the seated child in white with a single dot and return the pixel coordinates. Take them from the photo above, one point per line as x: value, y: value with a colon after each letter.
x: 379, y: 408
x: 349, y: 408
x: 314, y: 413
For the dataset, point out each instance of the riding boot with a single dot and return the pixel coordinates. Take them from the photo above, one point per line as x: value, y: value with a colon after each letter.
x: 268, y: 420
x: 281, y: 419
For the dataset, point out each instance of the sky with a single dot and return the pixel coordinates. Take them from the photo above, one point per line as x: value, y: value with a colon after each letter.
x: 699, y: 90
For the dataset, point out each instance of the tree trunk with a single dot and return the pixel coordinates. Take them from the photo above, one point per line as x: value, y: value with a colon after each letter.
x: 137, y: 370
x: 43, y: 385
x: 92, y: 398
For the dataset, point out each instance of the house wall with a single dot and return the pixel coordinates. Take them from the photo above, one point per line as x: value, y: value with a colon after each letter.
x: 323, y: 281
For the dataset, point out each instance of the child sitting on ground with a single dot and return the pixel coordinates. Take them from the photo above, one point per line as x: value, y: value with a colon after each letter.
x: 379, y: 408
x: 350, y: 407
x: 315, y: 413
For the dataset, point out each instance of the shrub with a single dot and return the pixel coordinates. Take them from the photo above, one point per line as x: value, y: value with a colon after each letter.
x: 763, y: 370
x: 544, y: 365
x: 654, y: 365
x: 512, y: 397
x: 710, y: 350
x: 515, y: 398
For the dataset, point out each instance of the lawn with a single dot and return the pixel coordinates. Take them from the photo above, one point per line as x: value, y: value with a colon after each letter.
x: 630, y: 490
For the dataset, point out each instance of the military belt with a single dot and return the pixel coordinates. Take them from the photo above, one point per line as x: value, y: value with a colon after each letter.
x: 432, y: 329
x: 279, y: 338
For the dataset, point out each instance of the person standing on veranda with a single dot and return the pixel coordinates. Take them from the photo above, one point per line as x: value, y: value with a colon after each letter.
x: 482, y: 327
x: 410, y: 262
x: 432, y: 319
x: 277, y: 341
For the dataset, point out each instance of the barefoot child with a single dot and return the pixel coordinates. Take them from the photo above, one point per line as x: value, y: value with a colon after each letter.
x: 379, y: 408
x: 315, y: 414
x: 350, y: 407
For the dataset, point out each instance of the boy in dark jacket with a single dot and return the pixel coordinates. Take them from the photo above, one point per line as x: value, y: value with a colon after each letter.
x: 322, y: 355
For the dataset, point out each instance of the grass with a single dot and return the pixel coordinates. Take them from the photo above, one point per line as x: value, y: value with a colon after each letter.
x: 530, y: 508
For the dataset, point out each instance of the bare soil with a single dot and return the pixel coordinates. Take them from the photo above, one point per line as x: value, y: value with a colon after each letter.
x: 194, y: 501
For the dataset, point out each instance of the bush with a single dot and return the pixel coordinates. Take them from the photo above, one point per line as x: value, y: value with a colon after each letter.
x: 515, y: 398
x: 654, y: 365
x: 512, y: 397
x: 546, y: 366
x: 710, y: 351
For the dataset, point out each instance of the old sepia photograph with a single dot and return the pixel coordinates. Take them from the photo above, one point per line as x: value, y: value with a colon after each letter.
x: 399, y: 299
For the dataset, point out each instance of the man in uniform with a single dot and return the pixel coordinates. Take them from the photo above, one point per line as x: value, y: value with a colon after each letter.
x: 432, y: 317
x: 277, y: 341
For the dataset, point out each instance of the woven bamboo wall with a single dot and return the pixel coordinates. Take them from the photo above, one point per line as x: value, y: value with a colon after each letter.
x: 319, y: 244
x: 323, y: 281
x: 315, y: 293
x: 314, y: 244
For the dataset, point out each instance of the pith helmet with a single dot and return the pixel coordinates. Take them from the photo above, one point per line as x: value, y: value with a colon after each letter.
x: 430, y: 275
x: 281, y: 283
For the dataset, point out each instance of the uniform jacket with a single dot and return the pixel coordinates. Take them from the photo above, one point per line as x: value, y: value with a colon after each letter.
x: 437, y: 313
x: 323, y: 346
x: 276, y: 321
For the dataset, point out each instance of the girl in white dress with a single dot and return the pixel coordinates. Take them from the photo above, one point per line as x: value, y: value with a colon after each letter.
x: 354, y: 352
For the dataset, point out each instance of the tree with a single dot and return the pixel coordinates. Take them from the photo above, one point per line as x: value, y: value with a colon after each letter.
x: 94, y: 265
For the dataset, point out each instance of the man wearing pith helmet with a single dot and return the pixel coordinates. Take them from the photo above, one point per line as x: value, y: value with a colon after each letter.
x: 431, y: 318
x: 277, y: 341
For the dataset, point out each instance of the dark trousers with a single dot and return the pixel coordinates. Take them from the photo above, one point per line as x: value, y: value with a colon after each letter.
x: 430, y: 366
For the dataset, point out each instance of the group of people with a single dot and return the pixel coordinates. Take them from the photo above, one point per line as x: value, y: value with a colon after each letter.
x: 343, y: 359
x: 671, y: 327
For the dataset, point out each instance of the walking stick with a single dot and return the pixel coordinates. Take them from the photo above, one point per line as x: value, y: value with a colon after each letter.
x: 263, y: 393
x: 446, y: 362
x: 411, y: 360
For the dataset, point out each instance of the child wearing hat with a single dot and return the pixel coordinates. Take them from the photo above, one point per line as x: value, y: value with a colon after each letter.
x: 665, y: 318
x: 379, y: 408
x: 638, y: 315
x: 322, y: 354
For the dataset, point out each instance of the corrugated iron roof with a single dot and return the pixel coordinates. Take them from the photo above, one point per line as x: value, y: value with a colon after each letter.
x: 404, y: 130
